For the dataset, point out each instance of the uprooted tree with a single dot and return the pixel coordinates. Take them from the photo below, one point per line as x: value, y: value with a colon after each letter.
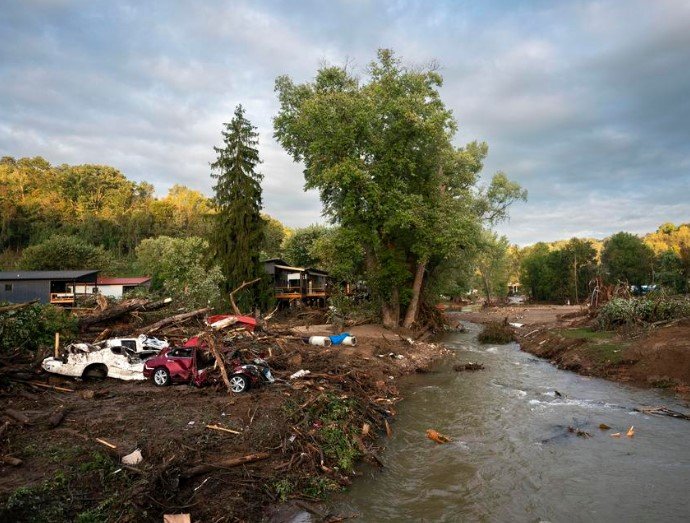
x: 380, y: 153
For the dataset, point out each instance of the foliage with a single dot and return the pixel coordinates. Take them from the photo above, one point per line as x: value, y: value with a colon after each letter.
x: 179, y: 268
x: 626, y: 258
x: 559, y: 273
x: 298, y: 248
x: 63, y: 252
x: 493, y: 265
x: 381, y: 155
x: 35, y: 326
x: 649, y: 309
x: 238, y: 228
x: 283, y: 488
x: 496, y: 332
x: 275, y: 234
x: 54, y: 499
x: 671, y: 245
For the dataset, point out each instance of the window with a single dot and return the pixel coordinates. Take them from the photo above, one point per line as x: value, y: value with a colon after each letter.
x: 8, y: 287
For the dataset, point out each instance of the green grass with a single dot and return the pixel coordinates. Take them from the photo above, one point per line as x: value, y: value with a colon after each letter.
x: 607, y: 352
x: 586, y: 334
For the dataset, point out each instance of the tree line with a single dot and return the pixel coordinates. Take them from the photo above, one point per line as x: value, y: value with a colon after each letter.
x: 407, y: 211
x: 566, y: 270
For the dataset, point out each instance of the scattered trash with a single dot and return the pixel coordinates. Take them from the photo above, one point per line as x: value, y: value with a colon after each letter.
x: 321, y: 341
x: 558, y: 394
x: 604, y: 426
x: 365, y: 429
x: 299, y: 374
x: 631, y: 432
x: 134, y: 458
x: 436, y: 436
x: 616, y: 435
x: 344, y: 338
x: 517, y: 325
x: 468, y: 366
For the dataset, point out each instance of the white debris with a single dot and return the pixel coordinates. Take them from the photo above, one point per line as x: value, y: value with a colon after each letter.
x: 300, y: 374
x: 133, y: 458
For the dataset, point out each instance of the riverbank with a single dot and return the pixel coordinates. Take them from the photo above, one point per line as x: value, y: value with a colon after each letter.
x: 658, y: 357
x: 299, y: 438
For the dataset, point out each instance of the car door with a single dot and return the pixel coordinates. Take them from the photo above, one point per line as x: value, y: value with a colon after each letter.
x: 180, y: 363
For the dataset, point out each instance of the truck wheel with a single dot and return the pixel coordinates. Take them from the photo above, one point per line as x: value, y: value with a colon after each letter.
x: 161, y: 377
x: 97, y: 371
x: 239, y: 383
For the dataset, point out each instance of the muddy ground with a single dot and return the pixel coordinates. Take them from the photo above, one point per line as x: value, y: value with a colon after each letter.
x: 568, y: 337
x: 307, y: 436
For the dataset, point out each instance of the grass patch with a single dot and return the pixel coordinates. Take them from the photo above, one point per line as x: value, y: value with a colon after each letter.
x: 607, y: 352
x: 586, y: 334
x: 496, y: 332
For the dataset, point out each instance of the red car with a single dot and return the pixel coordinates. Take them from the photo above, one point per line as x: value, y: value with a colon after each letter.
x: 175, y: 365
x: 181, y: 365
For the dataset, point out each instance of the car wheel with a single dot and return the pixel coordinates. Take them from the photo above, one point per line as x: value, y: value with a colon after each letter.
x: 161, y: 377
x: 239, y: 383
x: 97, y: 371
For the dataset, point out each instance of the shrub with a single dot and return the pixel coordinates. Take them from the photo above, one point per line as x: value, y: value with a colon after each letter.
x: 649, y: 309
x: 496, y: 332
x: 35, y: 326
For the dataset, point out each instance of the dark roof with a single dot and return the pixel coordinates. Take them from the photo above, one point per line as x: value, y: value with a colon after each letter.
x: 277, y: 261
x: 314, y: 270
x: 47, y: 275
x: 135, y: 280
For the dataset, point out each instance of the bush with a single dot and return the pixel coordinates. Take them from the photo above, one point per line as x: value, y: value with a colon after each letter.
x: 496, y: 332
x: 35, y: 326
x: 649, y: 309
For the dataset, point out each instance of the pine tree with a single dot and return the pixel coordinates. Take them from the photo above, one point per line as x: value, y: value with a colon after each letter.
x: 237, y: 234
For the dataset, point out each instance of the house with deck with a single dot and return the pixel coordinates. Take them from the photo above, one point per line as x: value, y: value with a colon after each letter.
x: 56, y: 287
x: 298, y: 283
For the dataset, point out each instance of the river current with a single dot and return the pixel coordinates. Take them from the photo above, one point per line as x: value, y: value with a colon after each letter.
x: 512, y: 457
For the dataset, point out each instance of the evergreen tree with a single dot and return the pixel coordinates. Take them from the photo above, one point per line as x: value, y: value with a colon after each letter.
x: 237, y: 235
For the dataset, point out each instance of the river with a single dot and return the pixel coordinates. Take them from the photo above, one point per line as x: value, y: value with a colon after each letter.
x: 512, y: 458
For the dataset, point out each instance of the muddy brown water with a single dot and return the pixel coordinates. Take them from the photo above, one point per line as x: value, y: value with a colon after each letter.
x: 511, y: 457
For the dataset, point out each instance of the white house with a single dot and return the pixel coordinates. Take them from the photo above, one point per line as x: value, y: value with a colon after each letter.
x: 113, y: 287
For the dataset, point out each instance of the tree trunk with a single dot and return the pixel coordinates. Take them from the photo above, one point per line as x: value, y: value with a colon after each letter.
x: 413, y: 307
x: 487, y: 289
x: 390, y: 310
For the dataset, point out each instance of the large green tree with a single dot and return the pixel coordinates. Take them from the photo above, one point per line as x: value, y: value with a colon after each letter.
x: 381, y: 156
x: 627, y: 258
x: 62, y: 252
x: 238, y: 228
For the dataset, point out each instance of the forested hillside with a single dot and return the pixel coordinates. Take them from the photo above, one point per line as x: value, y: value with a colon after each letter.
x: 53, y: 217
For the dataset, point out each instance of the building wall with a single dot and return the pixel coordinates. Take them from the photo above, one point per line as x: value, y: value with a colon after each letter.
x: 112, y: 291
x: 25, y: 290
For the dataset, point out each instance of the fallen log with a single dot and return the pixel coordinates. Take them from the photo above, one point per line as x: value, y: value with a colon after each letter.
x: 149, y: 329
x: 224, y: 464
x: 158, y: 304
x: 17, y: 306
x: 235, y: 308
x: 111, y: 313
x: 18, y: 416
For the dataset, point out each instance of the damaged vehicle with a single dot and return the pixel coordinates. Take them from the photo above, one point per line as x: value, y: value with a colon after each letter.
x: 176, y: 365
x: 84, y: 360
x: 188, y: 365
x: 143, y: 345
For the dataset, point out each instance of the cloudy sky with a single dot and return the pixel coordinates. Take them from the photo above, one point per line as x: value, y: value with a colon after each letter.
x: 585, y: 103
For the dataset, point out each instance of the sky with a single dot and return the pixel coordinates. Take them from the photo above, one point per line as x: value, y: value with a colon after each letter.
x: 586, y: 104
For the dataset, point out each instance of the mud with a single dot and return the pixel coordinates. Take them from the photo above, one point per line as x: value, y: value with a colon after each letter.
x: 67, y: 474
